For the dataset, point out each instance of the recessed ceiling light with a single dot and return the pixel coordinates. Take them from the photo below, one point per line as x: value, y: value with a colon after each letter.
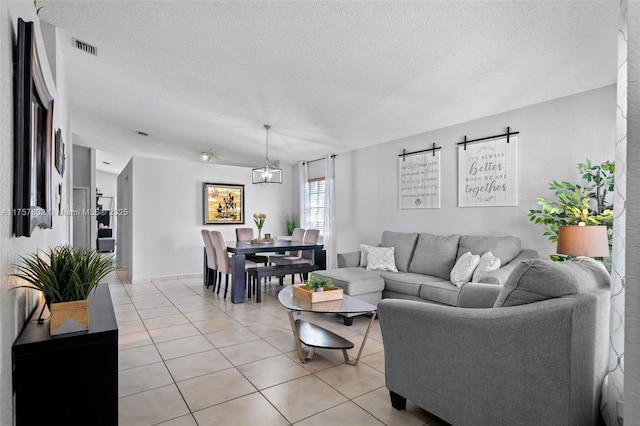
x: 206, y: 156
x: 141, y: 133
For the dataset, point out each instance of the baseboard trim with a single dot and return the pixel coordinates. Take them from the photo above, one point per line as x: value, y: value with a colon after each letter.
x: 165, y: 278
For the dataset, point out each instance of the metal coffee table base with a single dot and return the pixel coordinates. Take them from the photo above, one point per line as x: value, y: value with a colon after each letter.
x: 315, y: 336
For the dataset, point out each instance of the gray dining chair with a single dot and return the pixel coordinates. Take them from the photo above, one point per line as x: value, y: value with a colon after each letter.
x: 296, y: 235
x: 224, y: 262
x: 306, y: 257
x: 246, y: 235
x: 211, y: 263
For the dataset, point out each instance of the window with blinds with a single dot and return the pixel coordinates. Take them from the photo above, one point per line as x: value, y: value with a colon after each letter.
x: 316, y: 204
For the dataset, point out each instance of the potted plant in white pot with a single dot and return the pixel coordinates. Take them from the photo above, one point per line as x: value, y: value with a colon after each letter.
x: 66, y: 280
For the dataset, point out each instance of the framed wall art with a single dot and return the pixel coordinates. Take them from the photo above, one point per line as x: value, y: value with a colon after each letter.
x: 59, y: 152
x: 223, y: 204
x: 488, y: 172
x: 33, y: 122
x: 419, y: 180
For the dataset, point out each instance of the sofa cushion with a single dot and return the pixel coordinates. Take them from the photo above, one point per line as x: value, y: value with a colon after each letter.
x: 435, y: 255
x: 537, y: 279
x: 354, y: 281
x: 404, y: 244
x: 403, y: 282
x: 488, y: 263
x: 462, y: 271
x: 505, y: 248
x: 440, y: 291
x: 381, y: 259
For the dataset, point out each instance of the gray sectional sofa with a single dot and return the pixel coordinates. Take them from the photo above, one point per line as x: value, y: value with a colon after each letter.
x: 424, y: 262
x: 536, y: 356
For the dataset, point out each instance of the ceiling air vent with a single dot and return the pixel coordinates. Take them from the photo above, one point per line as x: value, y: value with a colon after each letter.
x: 86, y: 47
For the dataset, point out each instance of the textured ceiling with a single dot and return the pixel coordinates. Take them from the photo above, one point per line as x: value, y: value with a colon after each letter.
x: 327, y: 76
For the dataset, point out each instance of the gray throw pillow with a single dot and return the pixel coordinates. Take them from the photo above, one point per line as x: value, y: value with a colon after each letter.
x: 535, y: 280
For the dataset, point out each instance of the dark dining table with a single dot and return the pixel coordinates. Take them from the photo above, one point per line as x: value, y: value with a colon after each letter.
x: 240, y: 249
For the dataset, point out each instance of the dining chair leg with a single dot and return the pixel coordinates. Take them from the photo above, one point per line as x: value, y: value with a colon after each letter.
x: 226, y: 285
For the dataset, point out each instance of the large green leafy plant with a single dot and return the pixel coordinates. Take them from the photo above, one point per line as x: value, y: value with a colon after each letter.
x: 70, y: 274
x: 292, y: 223
x: 590, y: 203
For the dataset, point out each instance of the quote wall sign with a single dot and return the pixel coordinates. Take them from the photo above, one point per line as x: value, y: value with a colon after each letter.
x: 488, y: 172
x: 419, y: 181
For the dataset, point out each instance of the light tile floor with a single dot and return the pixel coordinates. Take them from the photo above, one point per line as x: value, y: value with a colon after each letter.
x: 189, y: 357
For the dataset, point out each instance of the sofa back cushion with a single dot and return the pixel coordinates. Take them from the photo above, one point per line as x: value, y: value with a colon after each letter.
x: 404, y: 244
x: 504, y: 248
x: 537, y: 279
x: 435, y: 255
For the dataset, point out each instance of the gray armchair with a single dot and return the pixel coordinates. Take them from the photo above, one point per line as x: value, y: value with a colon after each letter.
x: 537, y: 358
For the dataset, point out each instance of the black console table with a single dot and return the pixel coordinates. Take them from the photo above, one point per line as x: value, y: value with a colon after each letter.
x: 71, y: 379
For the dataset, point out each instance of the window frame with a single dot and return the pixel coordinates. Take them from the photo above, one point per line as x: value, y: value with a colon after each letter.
x: 317, y: 224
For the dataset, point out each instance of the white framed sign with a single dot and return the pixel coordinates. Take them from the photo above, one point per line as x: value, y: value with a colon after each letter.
x: 419, y: 181
x: 488, y: 173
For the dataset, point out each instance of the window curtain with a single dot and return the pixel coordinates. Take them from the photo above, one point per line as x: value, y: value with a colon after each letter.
x: 613, y: 385
x: 329, y: 211
x: 303, y: 179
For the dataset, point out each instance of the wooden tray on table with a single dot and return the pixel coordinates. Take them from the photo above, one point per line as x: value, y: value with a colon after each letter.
x: 302, y: 293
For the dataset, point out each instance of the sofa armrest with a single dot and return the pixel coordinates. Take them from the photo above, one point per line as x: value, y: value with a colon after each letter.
x: 500, y: 275
x: 349, y: 260
x: 478, y: 295
x: 505, y: 363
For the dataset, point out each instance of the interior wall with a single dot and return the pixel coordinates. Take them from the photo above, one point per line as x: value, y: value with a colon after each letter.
x: 554, y: 137
x: 124, y: 233
x: 15, y: 305
x: 108, y: 184
x: 81, y: 166
x: 167, y: 213
x: 84, y: 175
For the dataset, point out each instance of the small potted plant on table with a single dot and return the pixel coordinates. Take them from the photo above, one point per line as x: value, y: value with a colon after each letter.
x: 318, y: 284
x: 314, y: 290
x: 66, y: 280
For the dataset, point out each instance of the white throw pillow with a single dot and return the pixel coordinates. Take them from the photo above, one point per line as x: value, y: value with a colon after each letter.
x: 463, y: 269
x: 381, y: 259
x: 488, y: 263
x: 364, y: 250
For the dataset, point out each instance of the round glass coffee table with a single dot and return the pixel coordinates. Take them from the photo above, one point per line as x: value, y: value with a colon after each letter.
x: 315, y: 336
